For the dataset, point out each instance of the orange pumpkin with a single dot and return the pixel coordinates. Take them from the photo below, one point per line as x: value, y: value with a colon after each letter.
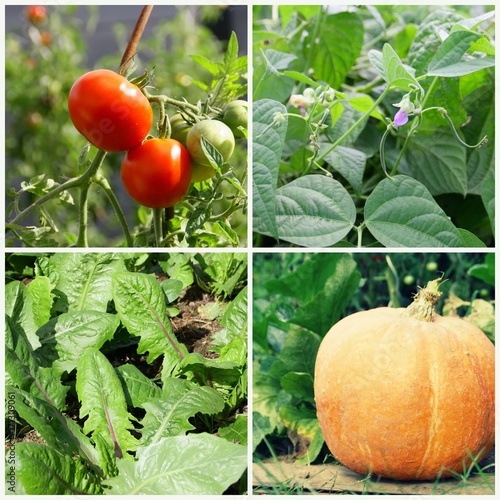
x: 405, y: 393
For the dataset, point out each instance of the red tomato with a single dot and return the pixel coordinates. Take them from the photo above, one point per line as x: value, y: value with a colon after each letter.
x: 36, y: 14
x: 109, y: 111
x: 157, y: 173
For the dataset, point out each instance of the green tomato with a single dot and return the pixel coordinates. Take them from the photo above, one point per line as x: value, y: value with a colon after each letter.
x: 236, y: 115
x: 180, y: 129
x: 216, y: 133
x: 200, y: 173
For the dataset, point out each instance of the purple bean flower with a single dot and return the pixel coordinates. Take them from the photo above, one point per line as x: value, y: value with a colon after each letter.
x: 401, y: 118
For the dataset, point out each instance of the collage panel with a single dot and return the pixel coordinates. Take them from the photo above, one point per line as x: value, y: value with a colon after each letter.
x: 126, y: 125
x: 373, y: 373
x: 373, y: 125
x: 126, y: 373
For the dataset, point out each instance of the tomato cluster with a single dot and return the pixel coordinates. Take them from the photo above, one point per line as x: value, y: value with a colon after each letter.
x: 114, y: 115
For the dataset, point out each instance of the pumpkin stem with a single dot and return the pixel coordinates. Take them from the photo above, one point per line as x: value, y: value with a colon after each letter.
x: 423, y: 305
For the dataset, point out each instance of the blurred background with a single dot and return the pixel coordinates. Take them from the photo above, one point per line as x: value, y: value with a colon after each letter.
x: 44, y: 57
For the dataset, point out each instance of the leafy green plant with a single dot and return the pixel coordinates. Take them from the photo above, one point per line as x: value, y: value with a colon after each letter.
x: 212, y: 213
x: 299, y: 297
x: 332, y: 158
x: 119, y: 397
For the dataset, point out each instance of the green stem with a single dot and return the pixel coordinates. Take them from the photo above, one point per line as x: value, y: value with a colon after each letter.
x: 353, y: 127
x: 103, y: 182
x: 86, y: 177
x: 83, y: 208
x: 414, y: 126
x: 359, y: 229
x: 157, y: 222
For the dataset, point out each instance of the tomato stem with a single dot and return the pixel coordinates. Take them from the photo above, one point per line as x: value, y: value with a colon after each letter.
x: 157, y: 222
x: 103, y: 182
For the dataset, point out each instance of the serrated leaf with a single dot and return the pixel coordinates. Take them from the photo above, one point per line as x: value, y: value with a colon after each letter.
x: 56, y: 429
x: 41, y: 470
x: 40, y: 291
x: 169, y: 415
x: 197, y: 464
x: 136, y: 386
x: 400, y: 212
x: 214, y: 371
x: 140, y: 304
x: 312, y: 211
x: 103, y: 402
x: 65, y: 338
x: 84, y: 279
x: 25, y: 371
x: 268, y: 140
x: 19, y: 308
x: 236, y: 431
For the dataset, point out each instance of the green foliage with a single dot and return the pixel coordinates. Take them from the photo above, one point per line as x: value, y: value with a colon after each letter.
x: 299, y: 297
x: 50, y: 168
x: 103, y: 412
x: 325, y: 131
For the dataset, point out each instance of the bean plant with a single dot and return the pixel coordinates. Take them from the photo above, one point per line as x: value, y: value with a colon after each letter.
x: 373, y: 126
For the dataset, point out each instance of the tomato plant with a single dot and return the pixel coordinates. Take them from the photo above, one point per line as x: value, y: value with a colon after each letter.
x: 109, y: 111
x: 77, y: 198
x: 215, y: 132
x: 201, y: 173
x: 236, y: 117
x: 157, y: 173
x: 179, y: 128
x: 371, y: 129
